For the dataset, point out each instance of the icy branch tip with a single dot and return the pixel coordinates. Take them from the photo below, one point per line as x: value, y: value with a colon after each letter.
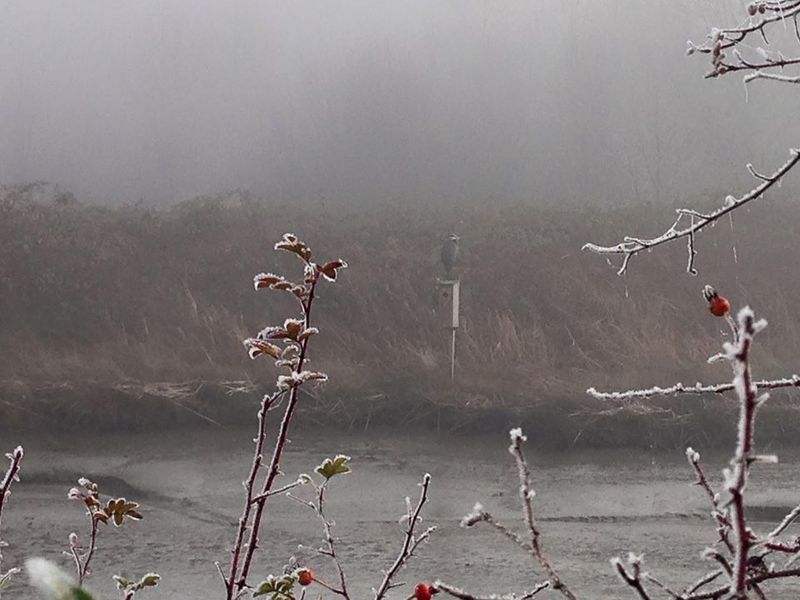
x: 16, y: 455
x: 517, y: 436
x: 476, y: 516
x: 692, y: 455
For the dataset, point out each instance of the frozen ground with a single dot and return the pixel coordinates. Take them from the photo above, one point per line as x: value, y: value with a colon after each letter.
x: 593, y: 505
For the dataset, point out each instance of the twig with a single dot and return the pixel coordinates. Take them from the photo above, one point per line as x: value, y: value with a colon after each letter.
x: 698, y: 388
x: 463, y: 595
x: 410, y: 542
x: 244, y: 520
x: 527, y: 494
x: 631, y: 246
x: 634, y: 577
x: 11, y: 476
x: 720, y: 518
x: 330, y: 541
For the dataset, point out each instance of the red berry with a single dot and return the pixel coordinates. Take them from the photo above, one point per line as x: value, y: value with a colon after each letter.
x: 305, y: 577
x: 719, y: 306
x: 424, y: 591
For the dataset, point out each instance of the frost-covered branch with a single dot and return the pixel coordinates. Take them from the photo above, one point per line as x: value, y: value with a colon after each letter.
x: 410, y: 540
x: 744, y: 564
x: 698, y: 388
x: 526, y: 494
x: 631, y: 575
x: 738, y: 353
x: 11, y: 476
x: 463, y: 595
x: 731, y: 53
x: 330, y: 541
x: 631, y: 246
x: 288, y: 346
x: 533, y: 546
x: 720, y: 518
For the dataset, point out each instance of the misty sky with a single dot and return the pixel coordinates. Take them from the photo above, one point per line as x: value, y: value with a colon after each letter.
x: 551, y: 101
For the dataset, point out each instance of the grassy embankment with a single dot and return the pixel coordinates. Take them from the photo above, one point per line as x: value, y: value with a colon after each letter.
x: 132, y: 318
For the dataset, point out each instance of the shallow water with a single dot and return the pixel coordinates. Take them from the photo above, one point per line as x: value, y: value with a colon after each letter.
x: 592, y: 506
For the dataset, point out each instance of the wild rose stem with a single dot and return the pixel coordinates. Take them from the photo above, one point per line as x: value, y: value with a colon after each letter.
x: 10, y: 476
x: 526, y: 495
x: 329, y: 539
x: 15, y: 460
x: 280, y: 443
x: 409, y: 543
x: 741, y: 460
x: 244, y: 520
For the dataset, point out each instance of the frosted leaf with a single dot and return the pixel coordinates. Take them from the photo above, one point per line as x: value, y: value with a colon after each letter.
x: 517, y: 435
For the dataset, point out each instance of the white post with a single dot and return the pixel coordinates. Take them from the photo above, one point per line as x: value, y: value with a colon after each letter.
x: 453, y: 356
x: 449, y: 293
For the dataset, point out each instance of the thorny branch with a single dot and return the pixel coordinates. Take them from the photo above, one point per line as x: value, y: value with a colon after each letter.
x: 11, y: 476
x: 410, y: 541
x: 746, y: 568
x: 330, y: 541
x: 296, y: 335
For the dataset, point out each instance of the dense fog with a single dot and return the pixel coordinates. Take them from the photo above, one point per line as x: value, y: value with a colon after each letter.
x: 368, y: 101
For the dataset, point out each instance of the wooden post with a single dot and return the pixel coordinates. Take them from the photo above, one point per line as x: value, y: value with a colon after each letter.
x: 448, y: 308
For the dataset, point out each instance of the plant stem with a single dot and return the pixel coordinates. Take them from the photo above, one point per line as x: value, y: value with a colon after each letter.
x: 280, y: 443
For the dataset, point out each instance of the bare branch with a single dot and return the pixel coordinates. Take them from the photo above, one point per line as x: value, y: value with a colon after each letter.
x: 698, y: 388
x: 633, y: 577
x: 630, y: 246
x: 527, y: 494
x: 11, y: 476
x: 463, y: 595
x: 719, y: 516
x: 410, y: 542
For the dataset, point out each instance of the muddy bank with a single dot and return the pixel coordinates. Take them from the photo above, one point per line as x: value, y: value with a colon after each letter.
x: 592, y: 504
x: 552, y: 423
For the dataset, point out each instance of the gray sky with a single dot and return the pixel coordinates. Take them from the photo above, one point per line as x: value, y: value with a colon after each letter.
x: 547, y: 101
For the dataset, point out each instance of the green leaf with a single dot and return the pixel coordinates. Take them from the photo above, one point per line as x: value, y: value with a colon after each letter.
x: 81, y: 594
x: 280, y: 589
x: 334, y: 466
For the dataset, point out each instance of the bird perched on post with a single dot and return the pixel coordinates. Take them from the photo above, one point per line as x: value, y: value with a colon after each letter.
x: 718, y: 305
x: 450, y: 252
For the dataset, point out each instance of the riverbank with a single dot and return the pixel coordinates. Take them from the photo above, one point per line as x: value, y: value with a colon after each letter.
x: 553, y: 423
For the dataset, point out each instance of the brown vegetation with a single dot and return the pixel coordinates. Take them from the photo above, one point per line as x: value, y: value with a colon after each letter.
x: 100, y: 307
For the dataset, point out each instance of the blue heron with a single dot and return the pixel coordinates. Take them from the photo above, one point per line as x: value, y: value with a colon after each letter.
x: 450, y: 252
